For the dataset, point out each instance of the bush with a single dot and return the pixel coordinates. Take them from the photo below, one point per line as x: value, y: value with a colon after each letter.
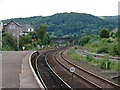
x: 113, y: 36
x: 28, y: 46
x: 114, y: 65
x: 95, y: 44
x: 114, y: 49
x: 75, y: 48
x: 102, y: 64
x: 103, y: 49
x: 105, y: 63
x: 74, y: 54
x: 109, y: 41
x: 89, y: 57
x: 8, y: 42
x: 104, y: 33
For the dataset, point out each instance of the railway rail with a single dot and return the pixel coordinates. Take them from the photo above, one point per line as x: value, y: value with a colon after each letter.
x: 47, y: 76
x: 84, y: 52
x: 91, y: 78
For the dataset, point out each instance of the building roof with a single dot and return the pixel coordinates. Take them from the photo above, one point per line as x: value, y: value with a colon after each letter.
x: 15, y: 23
x: 26, y: 26
x: 114, y: 30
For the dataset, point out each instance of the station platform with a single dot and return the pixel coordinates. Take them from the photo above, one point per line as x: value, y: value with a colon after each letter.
x: 16, y: 71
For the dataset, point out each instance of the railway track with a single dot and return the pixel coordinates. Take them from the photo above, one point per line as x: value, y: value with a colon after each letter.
x: 84, y: 52
x: 47, y: 76
x: 90, y: 78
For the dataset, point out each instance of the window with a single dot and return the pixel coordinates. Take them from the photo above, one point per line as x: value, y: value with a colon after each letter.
x: 28, y: 29
x: 13, y: 33
x: 32, y: 29
x: 12, y: 26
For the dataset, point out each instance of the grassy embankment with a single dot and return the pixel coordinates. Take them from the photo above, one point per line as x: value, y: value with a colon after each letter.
x: 104, y: 63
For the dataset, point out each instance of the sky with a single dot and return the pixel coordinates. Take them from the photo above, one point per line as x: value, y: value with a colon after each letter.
x: 27, y: 8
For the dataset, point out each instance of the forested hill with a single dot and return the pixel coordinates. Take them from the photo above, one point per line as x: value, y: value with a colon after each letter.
x: 71, y: 24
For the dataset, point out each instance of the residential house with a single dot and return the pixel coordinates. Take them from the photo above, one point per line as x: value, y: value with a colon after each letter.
x: 14, y: 28
x: 114, y: 30
x: 18, y: 29
x: 1, y: 26
x: 27, y: 28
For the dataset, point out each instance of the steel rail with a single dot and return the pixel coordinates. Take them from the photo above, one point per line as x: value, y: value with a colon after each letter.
x: 36, y: 65
x: 112, y: 83
x: 56, y: 73
x: 95, y: 85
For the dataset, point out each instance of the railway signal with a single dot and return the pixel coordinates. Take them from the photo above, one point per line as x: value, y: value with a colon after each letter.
x: 32, y: 41
x: 68, y: 41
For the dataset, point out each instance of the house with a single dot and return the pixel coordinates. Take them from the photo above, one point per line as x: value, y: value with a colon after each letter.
x: 27, y: 28
x: 18, y: 29
x: 114, y: 30
x: 4, y: 25
x: 14, y: 28
x: 1, y: 26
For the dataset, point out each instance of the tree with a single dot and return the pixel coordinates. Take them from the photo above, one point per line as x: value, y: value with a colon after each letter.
x: 42, y: 36
x: 8, y: 42
x: 84, y: 39
x: 41, y: 31
x: 104, y: 33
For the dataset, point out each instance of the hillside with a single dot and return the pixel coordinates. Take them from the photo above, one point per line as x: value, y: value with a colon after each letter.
x: 70, y: 24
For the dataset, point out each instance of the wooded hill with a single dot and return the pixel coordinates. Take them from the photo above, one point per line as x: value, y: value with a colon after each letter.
x: 71, y: 24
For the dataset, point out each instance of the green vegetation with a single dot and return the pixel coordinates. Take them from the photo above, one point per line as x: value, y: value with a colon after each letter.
x: 74, y: 54
x: 100, y: 44
x: 8, y: 42
x: 104, y: 63
x: 40, y: 38
x: 70, y: 24
x: 104, y: 33
x: 97, y: 44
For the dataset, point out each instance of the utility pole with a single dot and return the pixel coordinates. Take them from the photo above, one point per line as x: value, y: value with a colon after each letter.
x: 17, y: 40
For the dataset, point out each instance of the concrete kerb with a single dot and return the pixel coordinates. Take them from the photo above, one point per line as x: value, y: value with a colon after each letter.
x: 38, y: 81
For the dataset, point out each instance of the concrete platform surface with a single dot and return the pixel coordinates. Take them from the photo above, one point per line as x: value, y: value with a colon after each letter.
x: 16, y: 72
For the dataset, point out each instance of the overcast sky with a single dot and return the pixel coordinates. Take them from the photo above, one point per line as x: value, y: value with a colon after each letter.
x: 26, y: 8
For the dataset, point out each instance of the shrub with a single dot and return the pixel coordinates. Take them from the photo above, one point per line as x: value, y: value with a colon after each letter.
x: 102, y: 64
x: 103, y: 49
x: 114, y: 49
x: 89, y: 57
x: 114, y: 65
x: 109, y: 41
x: 105, y: 63
x: 74, y: 54
x: 95, y: 44
x: 113, y: 36
x: 75, y: 48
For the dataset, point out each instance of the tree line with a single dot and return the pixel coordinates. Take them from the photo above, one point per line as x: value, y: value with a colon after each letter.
x: 70, y: 24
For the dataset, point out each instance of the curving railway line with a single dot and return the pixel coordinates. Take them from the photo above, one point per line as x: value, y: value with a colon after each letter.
x: 53, y: 75
x: 91, y: 78
x: 46, y: 74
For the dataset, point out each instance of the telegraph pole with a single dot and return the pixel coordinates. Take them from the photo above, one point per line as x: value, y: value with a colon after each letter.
x: 17, y: 40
